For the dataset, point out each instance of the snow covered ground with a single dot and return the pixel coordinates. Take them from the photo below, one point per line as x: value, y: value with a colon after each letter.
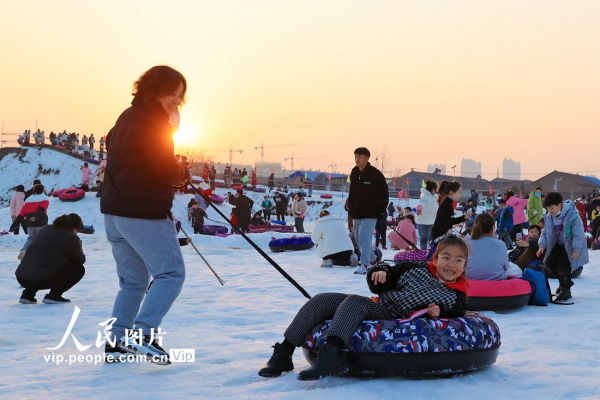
x: 547, y: 352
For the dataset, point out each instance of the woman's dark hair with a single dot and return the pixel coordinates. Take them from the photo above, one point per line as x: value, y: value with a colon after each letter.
x: 70, y: 222
x: 553, y: 199
x: 430, y: 186
x: 85, y: 164
x: 447, y: 187
x: 484, y: 224
x: 509, y: 194
x: 158, y: 81
x: 411, y: 218
x: 451, y: 241
x: 38, y: 189
x: 19, y: 188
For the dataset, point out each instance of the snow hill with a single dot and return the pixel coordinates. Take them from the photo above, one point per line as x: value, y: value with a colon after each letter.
x: 547, y: 352
x: 20, y: 166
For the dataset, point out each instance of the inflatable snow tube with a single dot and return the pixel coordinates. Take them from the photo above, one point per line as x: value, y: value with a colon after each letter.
x: 214, y: 230
x: 71, y: 194
x: 508, y: 294
x: 215, y: 198
x: 57, y: 192
x: 237, y: 187
x: 259, y: 190
x: 291, y: 244
x: 411, y: 255
x: 418, y: 347
x: 326, y: 196
x: 270, y: 228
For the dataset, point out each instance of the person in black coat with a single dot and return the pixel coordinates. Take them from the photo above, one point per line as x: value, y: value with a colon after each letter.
x: 271, y: 182
x: 54, y: 260
x: 29, y: 192
x: 367, y: 200
x: 243, y: 208
x: 444, y: 220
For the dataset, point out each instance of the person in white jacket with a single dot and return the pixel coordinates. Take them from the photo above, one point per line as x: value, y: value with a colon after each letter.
x: 426, y: 212
x: 332, y: 240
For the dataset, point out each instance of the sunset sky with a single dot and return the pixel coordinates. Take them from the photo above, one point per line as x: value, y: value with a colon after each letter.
x: 421, y: 81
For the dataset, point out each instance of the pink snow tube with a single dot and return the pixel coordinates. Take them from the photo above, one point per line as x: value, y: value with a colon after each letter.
x: 215, y: 198
x: 507, y: 294
x: 411, y: 255
x: 71, y: 194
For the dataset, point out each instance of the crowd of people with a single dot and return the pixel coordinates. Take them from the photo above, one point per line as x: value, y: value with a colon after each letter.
x: 79, y: 145
x: 143, y: 238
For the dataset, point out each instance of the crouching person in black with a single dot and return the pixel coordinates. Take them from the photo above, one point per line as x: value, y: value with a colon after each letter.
x: 439, y: 286
x: 54, y: 260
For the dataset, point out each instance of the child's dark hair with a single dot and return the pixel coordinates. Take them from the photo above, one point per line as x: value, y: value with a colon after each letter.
x: 411, y: 218
x: 38, y: 188
x: 451, y: 241
x: 408, y: 208
x: 447, y: 187
x: 19, y: 188
x: 430, y: 186
x: 509, y: 194
x: 484, y: 224
x: 70, y: 222
x: 501, y: 201
x: 534, y: 227
x: 553, y: 199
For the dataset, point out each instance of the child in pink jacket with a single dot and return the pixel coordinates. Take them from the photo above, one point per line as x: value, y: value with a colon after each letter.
x: 519, y: 217
x: 16, y: 204
x: 407, y: 228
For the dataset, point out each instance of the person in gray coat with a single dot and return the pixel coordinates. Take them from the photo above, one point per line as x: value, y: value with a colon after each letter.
x: 562, y: 242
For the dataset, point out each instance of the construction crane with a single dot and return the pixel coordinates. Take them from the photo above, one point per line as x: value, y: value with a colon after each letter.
x: 292, y: 158
x: 231, y: 151
x: 262, y: 148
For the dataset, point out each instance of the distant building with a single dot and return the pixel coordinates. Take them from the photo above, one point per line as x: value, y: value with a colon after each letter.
x: 470, y: 168
x: 319, y: 180
x: 436, y: 169
x: 264, y: 169
x: 511, y: 169
x: 571, y: 186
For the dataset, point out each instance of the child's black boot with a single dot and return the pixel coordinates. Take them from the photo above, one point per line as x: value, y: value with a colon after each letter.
x: 329, y: 362
x: 280, y: 361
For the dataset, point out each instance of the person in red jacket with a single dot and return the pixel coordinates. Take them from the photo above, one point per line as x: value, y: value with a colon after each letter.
x: 34, y: 214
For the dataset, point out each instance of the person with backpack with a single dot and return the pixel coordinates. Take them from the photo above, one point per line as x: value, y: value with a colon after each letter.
x: 54, y: 261
x: 266, y: 206
x: 426, y: 213
x: 404, y: 233
x: 563, y: 242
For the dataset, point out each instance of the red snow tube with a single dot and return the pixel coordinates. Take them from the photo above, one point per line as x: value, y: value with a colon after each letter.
x: 237, y: 187
x: 57, y: 192
x: 498, y: 295
x: 326, y: 196
x: 71, y: 194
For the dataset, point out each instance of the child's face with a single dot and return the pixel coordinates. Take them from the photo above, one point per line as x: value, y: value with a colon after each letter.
x: 554, y: 209
x: 450, y: 263
x: 534, y: 234
x: 501, y: 205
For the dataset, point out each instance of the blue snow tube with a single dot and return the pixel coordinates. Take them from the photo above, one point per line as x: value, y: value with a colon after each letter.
x: 418, y: 347
x: 291, y: 244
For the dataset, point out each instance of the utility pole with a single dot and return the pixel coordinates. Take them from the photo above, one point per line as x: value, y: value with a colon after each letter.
x: 454, y: 172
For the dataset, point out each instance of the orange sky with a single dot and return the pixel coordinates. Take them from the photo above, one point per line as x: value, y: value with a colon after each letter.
x: 424, y: 82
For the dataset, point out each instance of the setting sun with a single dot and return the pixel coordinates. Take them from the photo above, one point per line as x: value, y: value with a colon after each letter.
x: 186, y: 135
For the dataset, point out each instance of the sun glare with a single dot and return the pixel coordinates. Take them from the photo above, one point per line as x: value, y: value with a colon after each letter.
x: 186, y: 135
